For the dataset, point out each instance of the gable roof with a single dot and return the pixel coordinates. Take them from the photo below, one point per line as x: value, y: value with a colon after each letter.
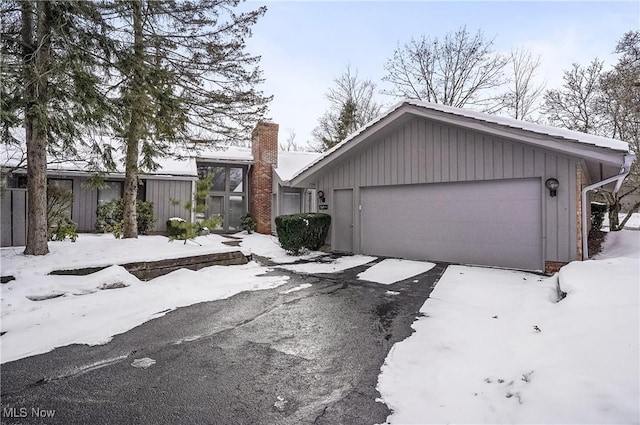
x: 290, y: 163
x: 588, y: 146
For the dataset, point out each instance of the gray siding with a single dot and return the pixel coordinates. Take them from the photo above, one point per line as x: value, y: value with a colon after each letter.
x: 85, y: 203
x: 169, y: 198
x: 13, y: 217
x: 423, y: 151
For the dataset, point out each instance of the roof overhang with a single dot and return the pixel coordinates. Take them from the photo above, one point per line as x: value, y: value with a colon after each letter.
x: 563, y: 142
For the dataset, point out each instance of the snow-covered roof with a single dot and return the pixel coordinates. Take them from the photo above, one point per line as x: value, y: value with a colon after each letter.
x: 289, y: 163
x: 14, y: 155
x: 416, y: 107
x: 226, y: 153
x: 589, y: 139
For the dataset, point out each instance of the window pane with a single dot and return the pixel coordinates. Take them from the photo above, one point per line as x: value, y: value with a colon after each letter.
x: 236, y: 210
x: 236, y: 179
x: 215, y: 208
x: 291, y: 203
x: 218, y: 178
x: 67, y: 186
x: 111, y: 191
x: 218, y: 174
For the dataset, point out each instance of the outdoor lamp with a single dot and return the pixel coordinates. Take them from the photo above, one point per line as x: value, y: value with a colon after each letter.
x: 321, y: 195
x: 552, y: 184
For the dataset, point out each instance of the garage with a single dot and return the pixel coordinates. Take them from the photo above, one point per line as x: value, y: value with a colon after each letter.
x: 495, y: 222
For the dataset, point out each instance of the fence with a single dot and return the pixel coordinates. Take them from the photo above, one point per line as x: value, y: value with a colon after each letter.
x: 13, y: 217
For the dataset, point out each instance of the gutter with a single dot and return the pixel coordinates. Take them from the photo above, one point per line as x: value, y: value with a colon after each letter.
x: 618, y: 178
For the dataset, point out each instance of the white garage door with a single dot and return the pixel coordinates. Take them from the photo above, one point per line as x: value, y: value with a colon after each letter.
x: 497, y: 222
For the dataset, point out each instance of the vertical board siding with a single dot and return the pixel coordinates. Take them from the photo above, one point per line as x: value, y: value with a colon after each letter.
x: 161, y: 192
x: 423, y: 151
x: 85, y: 205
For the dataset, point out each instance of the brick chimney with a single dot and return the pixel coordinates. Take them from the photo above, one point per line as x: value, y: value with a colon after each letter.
x: 264, y: 147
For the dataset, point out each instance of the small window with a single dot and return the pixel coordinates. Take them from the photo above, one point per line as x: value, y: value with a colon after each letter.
x: 111, y: 190
x: 291, y: 202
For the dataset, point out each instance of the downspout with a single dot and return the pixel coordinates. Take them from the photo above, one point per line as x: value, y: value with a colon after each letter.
x: 618, y: 178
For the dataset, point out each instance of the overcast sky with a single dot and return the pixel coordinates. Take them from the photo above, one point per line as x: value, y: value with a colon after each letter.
x: 305, y: 45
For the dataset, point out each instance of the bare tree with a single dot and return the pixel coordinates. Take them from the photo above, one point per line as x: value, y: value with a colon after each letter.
x: 621, y: 89
x: 578, y: 103
x: 351, y: 105
x: 608, y: 104
x: 459, y: 70
x: 523, y: 94
x: 290, y: 144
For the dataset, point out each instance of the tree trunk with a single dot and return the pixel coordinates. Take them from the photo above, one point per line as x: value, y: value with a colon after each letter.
x: 614, y: 210
x: 36, y: 62
x: 130, y: 225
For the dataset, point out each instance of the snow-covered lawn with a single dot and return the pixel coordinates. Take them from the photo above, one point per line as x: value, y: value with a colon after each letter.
x: 498, y: 346
x: 94, y: 250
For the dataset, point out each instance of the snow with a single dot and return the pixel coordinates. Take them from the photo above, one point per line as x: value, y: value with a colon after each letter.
x: 335, y: 266
x: 268, y: 246
x: 224, y: 152
x: 589, y: 139
x: 143, y: 363
x: 390, y: 270
x: 289, y: 163
x: 40, y: 312
x: 297, y: 288
x: 96, y: 250
x: 632, y: 224
x: 12, y: 155
x: 86, y: 315
x: 498, y: 346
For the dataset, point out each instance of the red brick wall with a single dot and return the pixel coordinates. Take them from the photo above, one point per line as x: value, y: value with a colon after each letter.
x: 264, y: 147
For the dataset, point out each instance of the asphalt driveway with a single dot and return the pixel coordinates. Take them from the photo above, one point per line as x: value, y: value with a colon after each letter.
x: 263, y: 357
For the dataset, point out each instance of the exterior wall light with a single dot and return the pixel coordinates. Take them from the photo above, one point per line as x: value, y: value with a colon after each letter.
x: 552, y: 184
x: 321, y: 196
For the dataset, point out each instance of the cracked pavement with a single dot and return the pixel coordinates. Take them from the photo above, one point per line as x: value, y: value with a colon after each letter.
x: 307, y: 357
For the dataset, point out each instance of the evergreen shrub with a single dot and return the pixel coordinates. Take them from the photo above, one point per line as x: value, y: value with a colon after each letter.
x: 111, y: 216
x: 297, y: 232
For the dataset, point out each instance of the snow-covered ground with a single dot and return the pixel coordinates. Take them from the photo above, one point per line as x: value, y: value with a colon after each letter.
x: 498, y: 346
x: 41, y: 312
x: 392, y: 270
x: 632, y: 224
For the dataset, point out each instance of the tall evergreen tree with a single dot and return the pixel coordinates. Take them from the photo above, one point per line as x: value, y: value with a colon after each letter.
x: 183, y: 78
x: 49, y: 51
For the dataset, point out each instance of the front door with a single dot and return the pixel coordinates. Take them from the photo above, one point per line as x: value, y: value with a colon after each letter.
x: 342, y: 238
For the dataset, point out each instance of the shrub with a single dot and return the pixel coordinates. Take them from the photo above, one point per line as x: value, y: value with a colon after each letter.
x: 248, y: 223
x: 598, y: 211
x: 60, y: 225
x: 177, y: 228
x: 110, y: 217
x: 302, y: 231
x: 62, y: 229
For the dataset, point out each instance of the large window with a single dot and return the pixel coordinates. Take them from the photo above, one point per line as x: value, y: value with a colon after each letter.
x: 110, y: 191
x: 228, y: 195
x: 67, y: 186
